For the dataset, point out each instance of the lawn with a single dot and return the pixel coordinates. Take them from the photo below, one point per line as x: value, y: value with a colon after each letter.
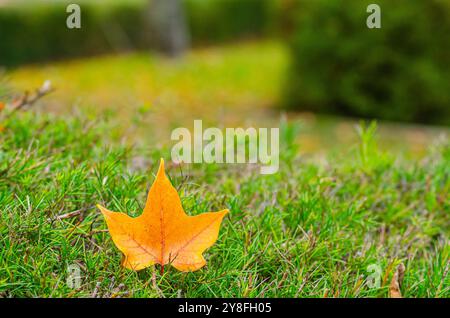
x: 225, y: 86
x: 347, y: 198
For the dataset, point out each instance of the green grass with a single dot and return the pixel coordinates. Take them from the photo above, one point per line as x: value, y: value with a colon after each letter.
x: 226, y: 86
x: 311, y: 230
x: 206, y: 82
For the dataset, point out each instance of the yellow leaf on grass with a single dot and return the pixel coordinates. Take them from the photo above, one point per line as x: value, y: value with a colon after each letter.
x: 163, y: 233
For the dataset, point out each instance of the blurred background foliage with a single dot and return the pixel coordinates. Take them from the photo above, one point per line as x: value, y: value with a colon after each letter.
x: 3, y: 88
x: 399, y: 72
x: 36, y: 32
x: 336, y: 65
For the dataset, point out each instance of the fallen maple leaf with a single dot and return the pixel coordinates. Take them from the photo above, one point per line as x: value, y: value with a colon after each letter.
x: 163, y: 233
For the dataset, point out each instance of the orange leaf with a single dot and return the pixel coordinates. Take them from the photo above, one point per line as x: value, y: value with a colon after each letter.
x: 2, y: 106
x: 163, y: 233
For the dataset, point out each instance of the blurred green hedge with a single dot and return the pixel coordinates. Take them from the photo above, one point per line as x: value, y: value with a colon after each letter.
x: 399, y: 72
x: 224, y: 20
x: 36, y: 30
